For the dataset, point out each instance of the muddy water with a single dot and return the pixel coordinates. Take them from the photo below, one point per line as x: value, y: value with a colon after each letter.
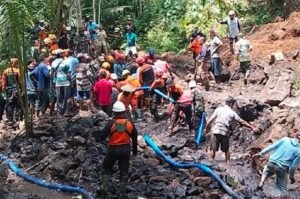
x: 44, y: 193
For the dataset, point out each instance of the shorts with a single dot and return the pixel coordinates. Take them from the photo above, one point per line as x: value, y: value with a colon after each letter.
x: 233, y: 39
x: 32, y: 99
x: 217, y: 140
x: 82, y: 94
x: 132, y: 49
x: 281, y: 176
x: 244, y: 66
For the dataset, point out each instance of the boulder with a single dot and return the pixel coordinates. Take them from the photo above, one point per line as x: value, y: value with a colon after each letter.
x: 277, y: 89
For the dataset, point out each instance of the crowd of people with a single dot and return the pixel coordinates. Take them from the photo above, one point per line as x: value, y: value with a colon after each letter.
x: 82, y: 73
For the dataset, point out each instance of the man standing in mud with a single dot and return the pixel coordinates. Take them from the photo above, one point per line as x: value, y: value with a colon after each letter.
x: 223, y: 117
x: 285, y: 159
x: 120, y: 131
x: 242, y: 51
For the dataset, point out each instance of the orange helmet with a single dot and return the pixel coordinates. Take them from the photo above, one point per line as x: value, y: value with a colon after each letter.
x: 109, y: 59
x: 140, y: 60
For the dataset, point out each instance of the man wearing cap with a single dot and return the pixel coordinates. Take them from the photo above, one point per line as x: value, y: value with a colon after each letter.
x: 130, y: 25
x: 125, y: 96
x: 81, y: 42
x: 223, y: 117
x: 103, y: 90
x: 242, y: 51
x: 121, y: 133
x: 233, y: 28
x: 284, y: 160
x: 43, y: 85
x: 10, y: 84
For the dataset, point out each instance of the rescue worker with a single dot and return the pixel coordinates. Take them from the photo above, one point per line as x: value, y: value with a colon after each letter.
x: 125, y: 97
x: 233, y: 28
x: 284, y: 160
x: 243, y: 48
x: 81, y: 42
x: 174, y: 90
x: 10, y: 84
x: 146, y: 77
x: 151, y: 58
x: 184, y: 105
x: 223, y: 117
x: 46, y: 48
x: 125, y: 77
x: 195, y: 46
x: 120, y: 132
x: 204, y: 61
x: 158, y: 84
x: 105, y: 67
x: 137, y: 96
x: 198, y: 104
x: 54, y: 44
x: 119, y: 65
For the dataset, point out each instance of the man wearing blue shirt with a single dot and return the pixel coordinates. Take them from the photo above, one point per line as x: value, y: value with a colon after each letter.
x: 131, y: 40
x: 285, y: 159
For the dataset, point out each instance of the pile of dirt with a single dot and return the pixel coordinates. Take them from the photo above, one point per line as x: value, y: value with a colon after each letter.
x: 278, y: 36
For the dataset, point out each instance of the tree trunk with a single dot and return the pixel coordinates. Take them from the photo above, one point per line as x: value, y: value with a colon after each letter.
x: 99, y: 11
x: 78, y: 14
x: 57, y: 23
x: 94, y: 10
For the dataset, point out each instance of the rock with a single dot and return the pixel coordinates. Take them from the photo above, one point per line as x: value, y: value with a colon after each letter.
x: 291, y: 102
x: 76, y: 140
x: 278, y: 19
x: 158, y: 179
x: 44, y: 133
x: 277, y: 89
x: 181, y: 191
x: 80, y: 156
x: 193, y: 191
x: 279, y: 34
x: 203, y: 181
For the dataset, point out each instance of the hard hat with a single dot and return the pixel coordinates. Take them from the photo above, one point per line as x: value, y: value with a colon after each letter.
x: 113, y: 76
x: 151, y: 52
x: 241, y: 35
x: 57, y: 51
x: 109, y: 59
x: 119, y: 107
x: 128, y: 88
x: 140, y: 60
x: 105, y: 65
x: 52, y: 36
x: 80, y: 55
x: 125, y: 72
x: 231, y: 12
x: 192, y: 84
x: 47, y: 41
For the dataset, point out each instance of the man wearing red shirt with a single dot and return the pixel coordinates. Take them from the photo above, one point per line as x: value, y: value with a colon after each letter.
x: 103, y: 90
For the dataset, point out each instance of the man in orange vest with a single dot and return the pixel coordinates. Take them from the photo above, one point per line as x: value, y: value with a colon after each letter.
x: 120, y: 132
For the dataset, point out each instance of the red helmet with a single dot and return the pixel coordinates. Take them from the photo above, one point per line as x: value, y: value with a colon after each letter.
x: 140, y: 60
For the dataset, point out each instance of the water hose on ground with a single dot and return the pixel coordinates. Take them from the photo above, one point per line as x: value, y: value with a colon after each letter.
x: 164, y: 96
x: 43, y: 183
x: 182, y: 165
x: 200, y: 128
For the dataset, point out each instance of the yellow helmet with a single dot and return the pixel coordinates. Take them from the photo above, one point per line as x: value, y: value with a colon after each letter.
x: 52, y: 36
x: 109, y: 59
x: 106, y: 65
x: 47, y: 41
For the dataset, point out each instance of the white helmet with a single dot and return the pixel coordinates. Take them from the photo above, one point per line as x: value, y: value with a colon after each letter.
x: 125, y: 72
x: 119, y: 107
x: 113, y: 76
x: 192, y: 84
